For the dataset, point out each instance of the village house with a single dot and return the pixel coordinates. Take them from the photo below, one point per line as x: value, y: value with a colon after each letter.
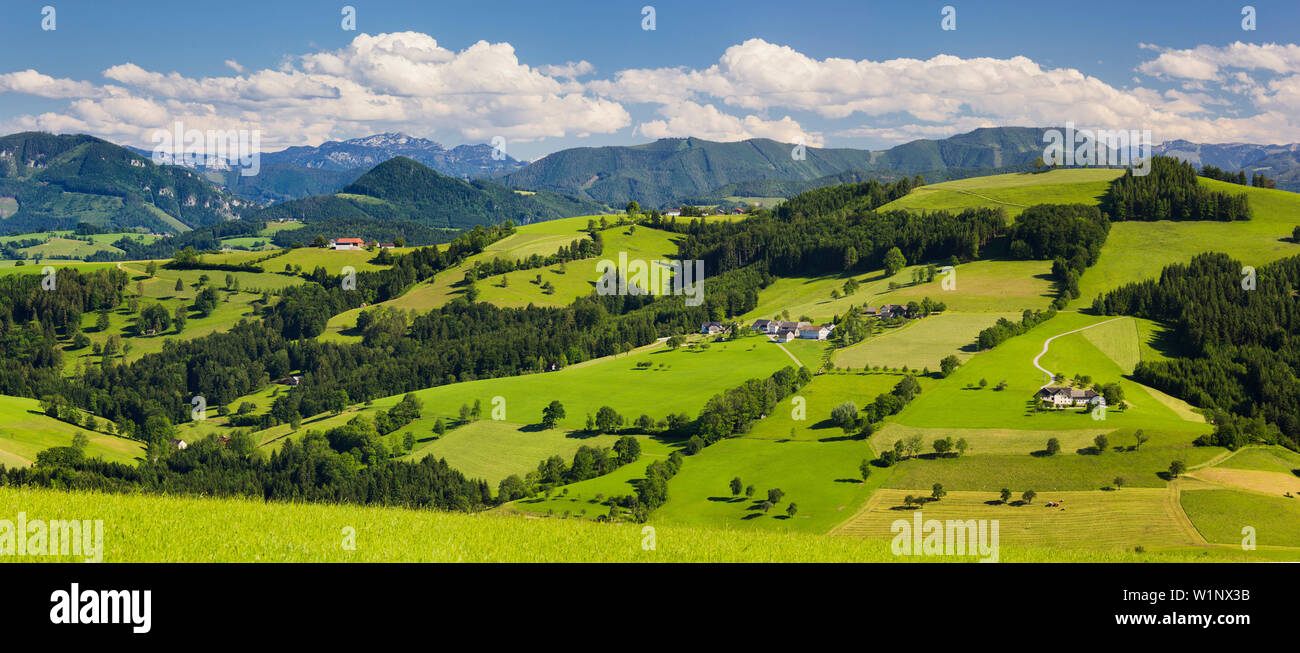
x: 673, y: 213
x: 347, y: 243
x: 713, y: 328
x: 811, y: 332
x: 892, y: 311
x: 179, y: 445
x: 1062, y: 397
x: 289, y: 380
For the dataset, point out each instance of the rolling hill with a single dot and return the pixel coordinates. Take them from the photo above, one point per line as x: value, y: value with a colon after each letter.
x: 404, y: 189
x: 666, y: 170
x: 56, y: 181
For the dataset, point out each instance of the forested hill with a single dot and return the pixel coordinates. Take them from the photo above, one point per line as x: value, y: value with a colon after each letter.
x: 669, y: 169
x: 61, y: 180
x: 404, y: 189
x: 1240, y: 330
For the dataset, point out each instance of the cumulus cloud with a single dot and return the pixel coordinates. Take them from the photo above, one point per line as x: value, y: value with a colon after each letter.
x: 898, y: 99
x: 400, y: 81
x: 31, y: 82
x: 407, y: 81
x: 706, y: 121
x: 570, y: 70
x: 1206, y: 62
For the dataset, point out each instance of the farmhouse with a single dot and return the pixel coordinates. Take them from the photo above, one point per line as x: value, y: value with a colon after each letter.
x: 713, y: 328
x: 673, y: 213
x: 1062, y: 397
x: 891, y: 310
x: 289, y: 380
x: 179, y: 445
x: 811, y: 332
x: 775, y: 327
x: 347, y: 243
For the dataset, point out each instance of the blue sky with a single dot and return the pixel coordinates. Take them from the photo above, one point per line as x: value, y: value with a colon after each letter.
x: 721, y: 70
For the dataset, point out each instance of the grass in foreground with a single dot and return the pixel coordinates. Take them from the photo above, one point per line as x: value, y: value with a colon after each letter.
x: 144, y: 528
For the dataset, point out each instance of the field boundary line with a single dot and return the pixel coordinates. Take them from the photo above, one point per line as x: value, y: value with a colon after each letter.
x: 871, y: 503
x: 1048, y: 343
x: 1174, y: 506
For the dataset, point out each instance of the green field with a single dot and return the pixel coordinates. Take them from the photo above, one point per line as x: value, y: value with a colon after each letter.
x: 143, y: 528
x: 678, y: 381
x: 1013, y: 192
x: 922, y: 343
x: 493, y: 450
x: 823, y: 394
x: 979, y: 287
x: 161, y: 289
x: 1140, y: 250
x: 25, y: 431
x: 1066, y: 471
x: 1117, y: 521
x: 820, y: 477
x: 960, y: 402
x: 571, y: 280
x: 1220, y: 516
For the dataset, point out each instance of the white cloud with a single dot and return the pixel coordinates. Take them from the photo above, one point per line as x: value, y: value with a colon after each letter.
x: 1204, y: 62
x: 386, y: 82
x: 570, y: 70
x: 31, y: 82
x: 706, y: 121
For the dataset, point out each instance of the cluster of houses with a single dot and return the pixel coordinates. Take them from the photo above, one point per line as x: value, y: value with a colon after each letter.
x: 786, y: 331
x: 357, y: 243
x: 1063, y: 397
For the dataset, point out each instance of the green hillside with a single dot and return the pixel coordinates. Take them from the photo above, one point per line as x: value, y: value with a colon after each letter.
x: 403, y: 189
x: 58, y: 181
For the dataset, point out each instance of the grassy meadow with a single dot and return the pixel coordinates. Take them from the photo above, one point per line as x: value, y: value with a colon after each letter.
x: 144, y: 528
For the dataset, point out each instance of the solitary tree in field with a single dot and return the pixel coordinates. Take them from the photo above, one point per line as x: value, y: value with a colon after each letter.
x: 938, y: 492
x: 865, y: 468
x: 948, y: 365
x: 1053, y: 446
x: 749, y: 490
x: 1101, y: 442
x: 1119, y: 482
x: 791, y: 509
x: 775, y: 494
x: 553, y: 413
x: 1141, y: 439
x: 765, y: 506
x: 1176, y: 468
x: 180, y: 285
x: 439, y: 427
x: 1006, y: 495
x: 736, y: 487
x: 1028, y: 496
x: 962, y: 446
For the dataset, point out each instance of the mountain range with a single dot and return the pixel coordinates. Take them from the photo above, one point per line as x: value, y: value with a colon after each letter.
x: 55, y: 181
x: 404, y: 189
x: 656, y: 174
x: 302, y: 171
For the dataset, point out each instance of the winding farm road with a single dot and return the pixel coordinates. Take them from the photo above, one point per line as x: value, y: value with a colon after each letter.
x: 1047, y: 343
